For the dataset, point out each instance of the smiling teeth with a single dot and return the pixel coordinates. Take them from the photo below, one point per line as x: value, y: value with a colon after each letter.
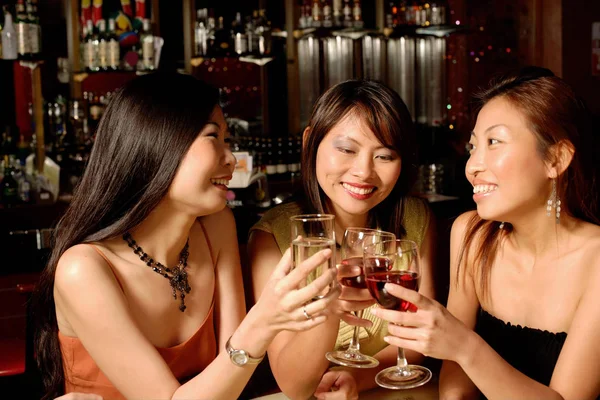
x: 219, y: 181
x: 484, y: 188
x: 357, y: 190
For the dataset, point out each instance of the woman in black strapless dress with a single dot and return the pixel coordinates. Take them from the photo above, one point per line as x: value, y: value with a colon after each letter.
x: 523, y: 318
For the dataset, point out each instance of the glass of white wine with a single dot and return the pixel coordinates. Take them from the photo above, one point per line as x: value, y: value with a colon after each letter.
x: 311, y: 233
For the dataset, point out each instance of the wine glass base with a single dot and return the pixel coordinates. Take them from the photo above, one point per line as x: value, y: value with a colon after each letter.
x: 351, y: 359
x: 411, y: 377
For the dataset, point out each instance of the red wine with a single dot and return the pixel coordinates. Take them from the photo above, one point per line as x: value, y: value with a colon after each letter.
x: 377, y: 281
x: 357, y: 281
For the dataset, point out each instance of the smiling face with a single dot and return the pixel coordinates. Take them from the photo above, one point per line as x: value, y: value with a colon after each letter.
x: 509, y: 177
x: 202, y: 177
x: 354, y: 169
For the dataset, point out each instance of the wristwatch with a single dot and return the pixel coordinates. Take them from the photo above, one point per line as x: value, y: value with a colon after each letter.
x: 241, y: 357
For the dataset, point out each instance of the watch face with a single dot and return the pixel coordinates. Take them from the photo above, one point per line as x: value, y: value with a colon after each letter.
x: 239, y: 358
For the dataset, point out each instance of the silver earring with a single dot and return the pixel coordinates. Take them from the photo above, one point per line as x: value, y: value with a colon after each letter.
x: 554, y: 201
x: 501, y: 226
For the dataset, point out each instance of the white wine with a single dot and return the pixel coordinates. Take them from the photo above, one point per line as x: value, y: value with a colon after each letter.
x: 306, y: 247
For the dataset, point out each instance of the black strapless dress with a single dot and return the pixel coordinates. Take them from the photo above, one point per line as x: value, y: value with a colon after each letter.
x: 533, y: 352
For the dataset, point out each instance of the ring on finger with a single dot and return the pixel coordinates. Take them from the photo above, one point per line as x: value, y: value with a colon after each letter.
x: 305, y: 313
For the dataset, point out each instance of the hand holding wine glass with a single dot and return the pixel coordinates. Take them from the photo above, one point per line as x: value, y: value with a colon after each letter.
x: 395, y: 261
x: 433, y: 331
x: 355, y: 239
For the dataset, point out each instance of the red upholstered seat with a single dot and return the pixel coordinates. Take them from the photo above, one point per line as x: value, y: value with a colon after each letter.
x: 12, y: 356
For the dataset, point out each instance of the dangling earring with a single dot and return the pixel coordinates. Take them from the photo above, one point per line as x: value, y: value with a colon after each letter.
x: 554, y: 201
x: 501, y: 226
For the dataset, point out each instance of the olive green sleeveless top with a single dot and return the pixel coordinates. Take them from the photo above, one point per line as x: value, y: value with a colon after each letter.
x: 415, y: 220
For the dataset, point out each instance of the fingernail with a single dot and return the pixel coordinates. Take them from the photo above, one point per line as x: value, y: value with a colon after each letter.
x: 387, y: 286
x: 386, y: 339
x: 374, y: 311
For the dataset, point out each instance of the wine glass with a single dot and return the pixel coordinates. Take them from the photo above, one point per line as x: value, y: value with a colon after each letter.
x: 355, y: 239
x: 395, y: 261
x: 311, y: 233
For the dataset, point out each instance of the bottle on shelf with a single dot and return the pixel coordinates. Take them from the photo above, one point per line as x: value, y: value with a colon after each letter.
x: 147, y: 45
x: 102, y: 46
x: 114, y: 48
x: 347, y: 12
x: 22, y: 28
x: 281, y: 162
x: 271, y: 164
x: 222, y: 40
x: 327, y: 13
x: 337, y: 13
x: 317, y: 14
x: 35, y: 30
x: 305, y: 20
x: 263, y: 33
x: 91, y: 48
x: 240, y: 39
x: 9, y: 38
x: 201, y: 32
x: 357, y: 15
x: 10, y: 187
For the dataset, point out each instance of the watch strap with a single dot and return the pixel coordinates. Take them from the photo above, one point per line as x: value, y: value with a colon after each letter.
x: 231, y: 351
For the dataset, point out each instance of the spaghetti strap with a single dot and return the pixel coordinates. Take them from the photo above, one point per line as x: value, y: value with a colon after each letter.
x: 210, y: 250
x: 112, y: 268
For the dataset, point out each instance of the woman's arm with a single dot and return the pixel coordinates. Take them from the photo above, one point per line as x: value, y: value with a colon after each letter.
x: 90, y: 299
x: 464, y: 305
x: 297, y: 358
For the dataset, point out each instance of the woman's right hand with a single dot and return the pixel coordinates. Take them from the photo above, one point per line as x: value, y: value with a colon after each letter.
x: 284, y: 306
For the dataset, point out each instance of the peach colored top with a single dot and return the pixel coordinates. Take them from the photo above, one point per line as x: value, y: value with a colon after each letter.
x: 185, y: 360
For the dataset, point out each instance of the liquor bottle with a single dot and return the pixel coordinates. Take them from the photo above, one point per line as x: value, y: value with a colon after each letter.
x: 35, y: 36
x: 147, y: 43
x: 91, y: 49
x: 281, y: 163
x: 317, y: 14
x: 305, y: 15
x: 9, y: 38
x: 201, y: 32
x: 238, y: 31
x: 347, y: 11
x: 9, y: 186
x: 22, y: 27
x: 222, y: 42
x: 102, y: 46
x: 337, y: 13
x: 271, y: 164
x: 327, y: 13
x: 114, y: 48
x: 263, y: 33
x: 357, y: 15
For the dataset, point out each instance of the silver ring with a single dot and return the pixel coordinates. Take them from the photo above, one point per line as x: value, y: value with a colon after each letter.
x: 305, y: 313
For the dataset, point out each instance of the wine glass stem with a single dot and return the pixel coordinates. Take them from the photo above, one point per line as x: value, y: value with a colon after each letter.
x: 354, y: 342
x: 401, y: 362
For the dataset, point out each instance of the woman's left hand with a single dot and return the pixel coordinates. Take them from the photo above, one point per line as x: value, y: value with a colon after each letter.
x: 337, y: 385
x: 432, y: 330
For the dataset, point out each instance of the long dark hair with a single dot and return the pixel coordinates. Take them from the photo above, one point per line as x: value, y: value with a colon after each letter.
x: 388, y: 118
x: 146, y: 130
x: 554, y: 114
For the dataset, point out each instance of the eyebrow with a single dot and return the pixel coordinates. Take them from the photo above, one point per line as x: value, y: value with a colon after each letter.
x: 358, y: 144
x: 489, y: 129
x: 213, y: 123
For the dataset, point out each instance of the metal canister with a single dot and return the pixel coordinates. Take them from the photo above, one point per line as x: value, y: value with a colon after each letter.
x: 309, y: 76
x: 338, y: 54
x: 373, y: 53
x: 401, y: 69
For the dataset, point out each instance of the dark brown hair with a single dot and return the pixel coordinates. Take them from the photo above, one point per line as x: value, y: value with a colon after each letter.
x: 146, y: 130
x: 387, y: 117
x: 554, y: 114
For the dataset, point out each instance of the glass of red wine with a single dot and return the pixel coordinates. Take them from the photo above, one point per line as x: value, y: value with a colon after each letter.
x: 351, y: 251
x: 395, y: 261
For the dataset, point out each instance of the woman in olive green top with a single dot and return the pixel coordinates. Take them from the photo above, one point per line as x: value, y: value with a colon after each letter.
x: 358, y: 163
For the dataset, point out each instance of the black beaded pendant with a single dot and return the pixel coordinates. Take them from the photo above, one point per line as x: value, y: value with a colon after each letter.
x: 177, y: 276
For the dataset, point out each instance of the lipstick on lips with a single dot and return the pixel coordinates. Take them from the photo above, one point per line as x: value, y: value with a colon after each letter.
x: 359, y: 191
